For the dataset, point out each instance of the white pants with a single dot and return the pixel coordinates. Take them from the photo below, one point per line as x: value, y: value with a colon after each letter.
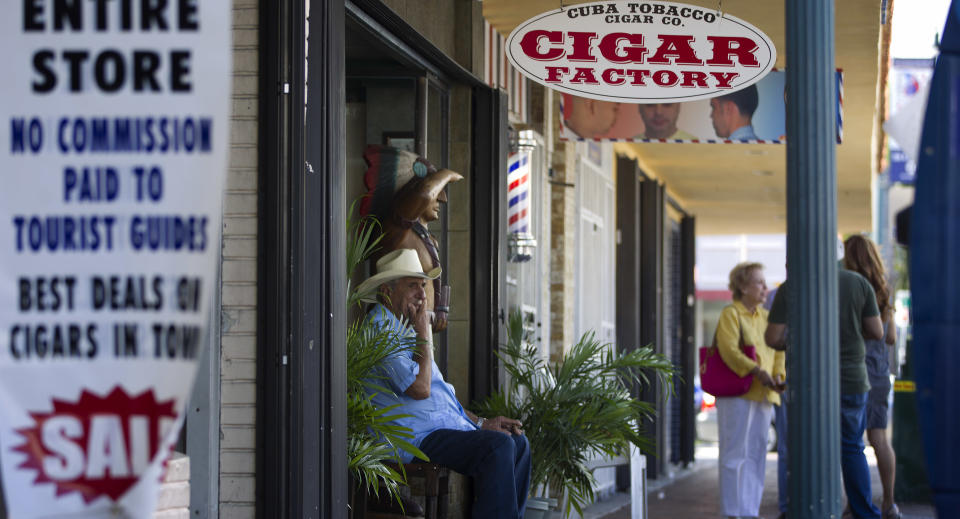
x: 743, y: 426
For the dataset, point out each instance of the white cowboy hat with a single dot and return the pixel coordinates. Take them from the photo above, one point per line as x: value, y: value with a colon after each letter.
x: 401, y: 263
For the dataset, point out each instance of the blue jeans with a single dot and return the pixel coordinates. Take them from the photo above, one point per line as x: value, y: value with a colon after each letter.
x: 856, y: 473
x: 780, y: 422
x: 498, y: 463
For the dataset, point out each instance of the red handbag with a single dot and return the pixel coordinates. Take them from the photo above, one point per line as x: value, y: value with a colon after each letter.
x: 716, y: 377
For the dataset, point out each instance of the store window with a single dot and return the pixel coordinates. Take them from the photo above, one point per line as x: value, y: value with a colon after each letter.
x: 390, y: 102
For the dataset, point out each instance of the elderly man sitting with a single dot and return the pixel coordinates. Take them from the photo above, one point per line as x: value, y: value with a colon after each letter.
x: 494, y: 452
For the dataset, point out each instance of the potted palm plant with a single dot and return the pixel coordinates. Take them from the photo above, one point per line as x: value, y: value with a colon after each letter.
x: 371, y: 437
x: 575, y: 409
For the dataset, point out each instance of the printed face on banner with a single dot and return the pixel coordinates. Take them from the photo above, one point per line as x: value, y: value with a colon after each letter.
x: 756, y: 114
x: 641, y: 52
x: 114, y: 139
x: 660, y: 119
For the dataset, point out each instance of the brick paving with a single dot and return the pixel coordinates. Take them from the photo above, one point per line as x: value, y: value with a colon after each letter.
x: 694, y: 493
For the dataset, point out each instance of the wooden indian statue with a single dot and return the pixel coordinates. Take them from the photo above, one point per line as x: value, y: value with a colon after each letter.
x: 405, y: 193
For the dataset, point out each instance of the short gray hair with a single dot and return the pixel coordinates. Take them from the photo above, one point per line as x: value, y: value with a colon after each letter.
x: 740, y: 275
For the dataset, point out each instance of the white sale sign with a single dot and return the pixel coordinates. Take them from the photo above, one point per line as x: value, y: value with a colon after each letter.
x: 113, y: 149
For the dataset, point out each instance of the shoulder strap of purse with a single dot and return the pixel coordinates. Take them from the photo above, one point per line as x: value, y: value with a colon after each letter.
x: 740, y: 322
x: 713, y: 346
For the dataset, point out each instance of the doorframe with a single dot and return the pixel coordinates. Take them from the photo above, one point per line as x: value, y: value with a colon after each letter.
x: 488, y: 193
x: 301, y: 337
x: 628, y: 256
x: 651, y: 310
x: 689, y: 363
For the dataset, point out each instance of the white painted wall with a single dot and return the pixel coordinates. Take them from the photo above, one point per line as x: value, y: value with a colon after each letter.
x: 717, y: 255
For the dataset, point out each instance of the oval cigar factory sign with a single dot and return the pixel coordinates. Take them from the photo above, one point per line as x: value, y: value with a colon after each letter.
x: 641, y: 52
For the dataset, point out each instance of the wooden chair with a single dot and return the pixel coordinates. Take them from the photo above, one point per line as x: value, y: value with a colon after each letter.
x: 436, y: 482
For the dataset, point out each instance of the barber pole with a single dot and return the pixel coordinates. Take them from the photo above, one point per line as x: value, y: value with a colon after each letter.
x: 521, y: 243
x: 518, y: 192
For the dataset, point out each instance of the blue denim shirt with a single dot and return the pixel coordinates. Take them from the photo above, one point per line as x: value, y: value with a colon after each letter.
x: 743, y: 133
x: 441, y: 410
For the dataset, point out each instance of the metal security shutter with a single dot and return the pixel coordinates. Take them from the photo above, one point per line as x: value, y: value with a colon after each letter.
x: 688, y: 347
x: 671, y: 336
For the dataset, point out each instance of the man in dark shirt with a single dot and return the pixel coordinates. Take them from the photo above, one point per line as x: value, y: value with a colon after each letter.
x: 859, y: 318
x: 780, y: 422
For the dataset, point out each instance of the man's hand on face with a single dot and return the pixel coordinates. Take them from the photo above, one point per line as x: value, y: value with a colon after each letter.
x: 504, y: 425
x: 419, y: 316
x: 409, y: 299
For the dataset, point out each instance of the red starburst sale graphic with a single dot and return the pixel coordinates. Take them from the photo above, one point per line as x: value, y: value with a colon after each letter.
x: 96, y: 446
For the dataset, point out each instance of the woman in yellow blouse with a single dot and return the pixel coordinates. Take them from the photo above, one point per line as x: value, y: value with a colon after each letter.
x: 744, y: 421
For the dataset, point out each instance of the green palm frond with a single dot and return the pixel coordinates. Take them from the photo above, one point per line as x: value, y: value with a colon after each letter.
x: 373, y: 439
x: 363, y: 239
x: 575, y: 409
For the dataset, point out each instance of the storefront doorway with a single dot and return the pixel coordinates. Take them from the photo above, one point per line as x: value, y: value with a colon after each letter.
x: 391, y: 102
x: 365, y: 76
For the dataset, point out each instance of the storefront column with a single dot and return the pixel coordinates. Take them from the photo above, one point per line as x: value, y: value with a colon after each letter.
x: 813, y: 371
x: 301, y: 433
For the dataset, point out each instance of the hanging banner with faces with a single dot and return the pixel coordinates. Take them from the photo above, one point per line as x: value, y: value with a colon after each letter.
x: 113, y: 148
x: 756, y: 114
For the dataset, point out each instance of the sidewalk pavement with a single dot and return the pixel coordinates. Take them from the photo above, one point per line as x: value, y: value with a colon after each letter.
x: 693, y: 493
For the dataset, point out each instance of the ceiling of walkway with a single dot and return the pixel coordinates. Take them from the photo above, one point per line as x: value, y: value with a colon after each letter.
x: 740, y: 188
